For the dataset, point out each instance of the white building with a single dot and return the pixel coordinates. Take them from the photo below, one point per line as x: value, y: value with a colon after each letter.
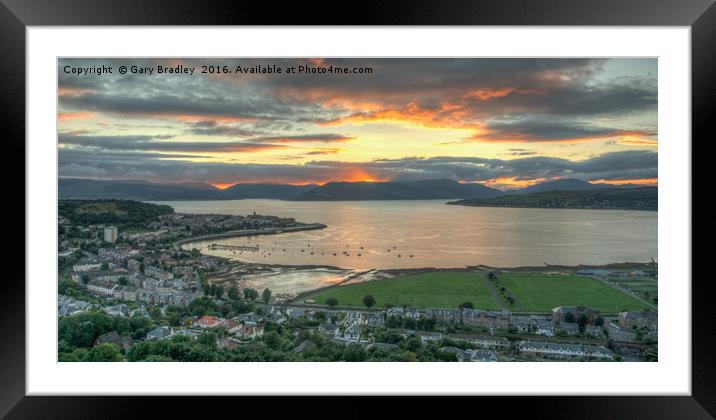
x: 110, y: 234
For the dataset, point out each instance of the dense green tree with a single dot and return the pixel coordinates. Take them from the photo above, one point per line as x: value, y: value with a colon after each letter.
x: 250, y: 294
x: 207, y: 339
x: 466, y: 305
x: 104, y: 352
x: 332, y: 302
x: 82, y: 329
x: 368, y: 301
x: 569, y: 317
x: 266, y: 295
x: 233, y: 293
x: 273, y: 340
x: 353, y: 353
x: 582, y: 321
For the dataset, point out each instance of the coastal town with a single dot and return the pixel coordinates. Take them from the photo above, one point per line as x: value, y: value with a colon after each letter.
x: 129, y: 290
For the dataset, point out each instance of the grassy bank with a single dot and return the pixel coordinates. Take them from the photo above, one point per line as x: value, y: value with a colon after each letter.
x: 540, y: 292
x: 427, y: 290
x: 532, y: 292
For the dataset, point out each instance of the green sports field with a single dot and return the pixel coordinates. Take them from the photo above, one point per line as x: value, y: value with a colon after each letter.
x: 540, y: 292
x: 427, y: 290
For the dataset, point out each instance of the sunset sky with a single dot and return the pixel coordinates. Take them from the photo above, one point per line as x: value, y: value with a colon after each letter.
x: 501, y: 122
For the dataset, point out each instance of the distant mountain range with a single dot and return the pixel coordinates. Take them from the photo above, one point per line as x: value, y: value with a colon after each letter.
x: 644, y: 198
x: 276, y: 191
x: 414, y: 190
x: 73, y: 188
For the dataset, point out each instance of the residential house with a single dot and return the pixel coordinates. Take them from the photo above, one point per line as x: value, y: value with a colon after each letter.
x: 208, y: 321
x: 84, y: 266
x: 375, y: 320
x: 564, y: 351
x: 134, y: 265
x: 275, y: 317
x: 545, y: 328
x: 353, y: 318
x: 425, y: 336
x: 69, y: 306
x: 250, y: 330
x: 594, y: 331
x: 295, y: 313
x: 570, y: 328
x: 493, y: 342
x: 641, y: 319
x: 330, y: 330
x: 160, y: 333
x: 351, y: 334
x: 101, y: 288
x: 231, y: 325
x: 113, y: 337
x: 158, y: 273
x: 129, y: 293
x: 117, y: 310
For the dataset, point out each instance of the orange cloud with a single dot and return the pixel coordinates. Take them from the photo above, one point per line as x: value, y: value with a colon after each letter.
x: 488, y: 93
x: 66, y: 116
x: 446, y: 116
x: 512, y: 182
x: 65, y: 91
x: 644, y: 181
x: 637, y: 142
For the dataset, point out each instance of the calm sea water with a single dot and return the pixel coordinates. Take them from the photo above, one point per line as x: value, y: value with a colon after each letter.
x: 428, y: 233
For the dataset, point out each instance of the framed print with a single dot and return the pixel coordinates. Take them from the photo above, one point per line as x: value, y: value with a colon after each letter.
x: 461, y: 204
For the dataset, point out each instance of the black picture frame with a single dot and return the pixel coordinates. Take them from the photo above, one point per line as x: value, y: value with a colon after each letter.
x: 16, y: 15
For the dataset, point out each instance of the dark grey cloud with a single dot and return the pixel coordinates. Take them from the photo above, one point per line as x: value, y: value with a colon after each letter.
x: 158, y: 143
x: 553, y: 87
x: 610, y: 166
x: 544, y: 129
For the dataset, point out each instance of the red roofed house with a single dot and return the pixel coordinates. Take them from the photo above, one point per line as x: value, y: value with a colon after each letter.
x: 208, y: 321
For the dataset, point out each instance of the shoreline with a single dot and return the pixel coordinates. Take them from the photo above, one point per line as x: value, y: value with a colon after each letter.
x: 482, y: 205
x: 254, y: 232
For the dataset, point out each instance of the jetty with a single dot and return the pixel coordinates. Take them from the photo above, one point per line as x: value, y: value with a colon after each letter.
x: 234, y: 247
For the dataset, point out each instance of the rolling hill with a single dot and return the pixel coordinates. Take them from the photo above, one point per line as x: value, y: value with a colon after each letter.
x: 645, y: 198
x: 413, y: 190
x: 275, y: 191
x: 70, y: 188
